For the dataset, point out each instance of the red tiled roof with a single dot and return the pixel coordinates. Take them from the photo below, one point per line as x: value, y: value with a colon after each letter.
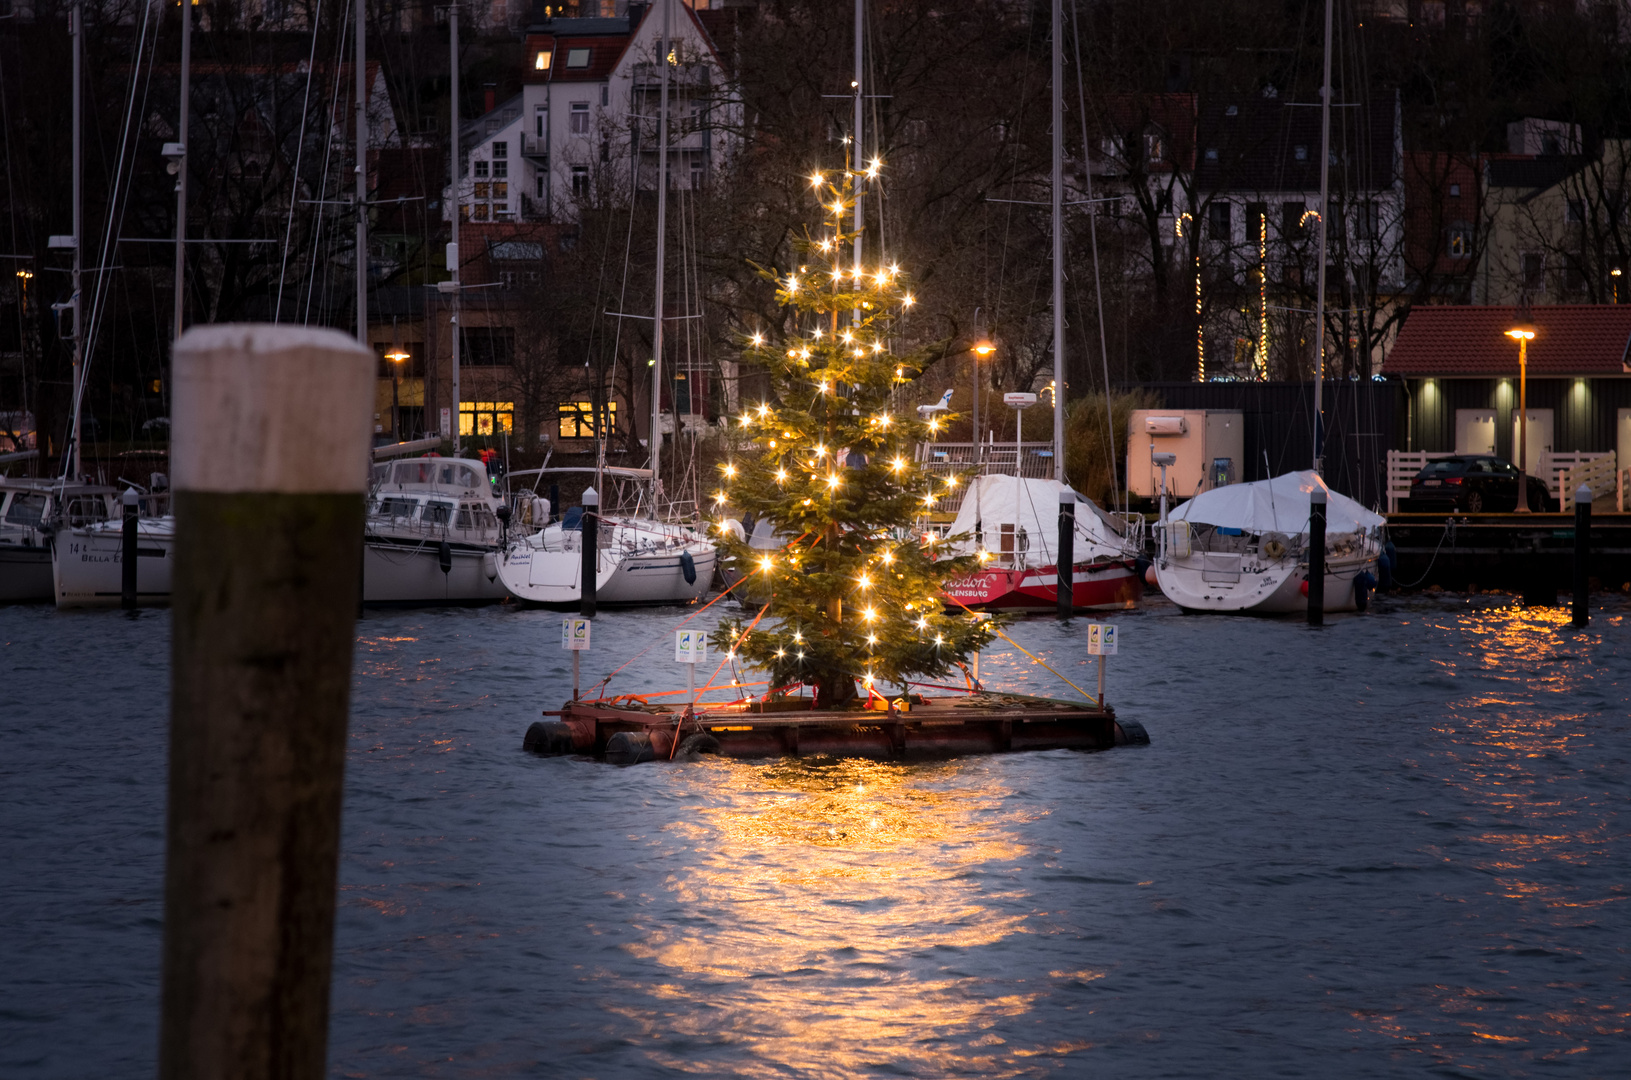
x: 604, y: 53
x: 1470, y: 340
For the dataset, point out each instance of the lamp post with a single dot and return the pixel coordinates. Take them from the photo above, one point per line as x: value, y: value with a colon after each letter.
x: 1615, y: 274
x: 1523, y: 333
x: 981, y: 348
x: 396, y: 356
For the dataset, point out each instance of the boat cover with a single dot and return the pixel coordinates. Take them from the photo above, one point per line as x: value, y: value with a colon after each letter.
x: 1033, y: 505
x: 1279, y: 505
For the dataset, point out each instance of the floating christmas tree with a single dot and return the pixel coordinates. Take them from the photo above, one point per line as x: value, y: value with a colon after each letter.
x: 856, y: 590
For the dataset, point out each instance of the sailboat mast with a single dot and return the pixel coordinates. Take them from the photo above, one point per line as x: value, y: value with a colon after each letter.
x: 1324, y: 212
x: 78, y: 33
x: 662, y: 235
x: 362, y: 173
x: 1056, y: 205
x: 458, y: 208
x: 181, y: 165
x: 857, y: 167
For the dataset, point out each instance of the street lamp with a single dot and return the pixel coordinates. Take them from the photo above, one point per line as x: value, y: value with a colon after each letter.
x: 1523, y: 333
x: 981, y: 349
x: 396, y: 356
x: 1615, y: 274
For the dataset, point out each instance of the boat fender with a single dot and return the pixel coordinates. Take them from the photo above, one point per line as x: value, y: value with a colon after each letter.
x: 694, y: 746
x: 629, y: 748
x: 1273, y: 549
x: 1141, y: 567
x: 1363, y: 584
x: 688, y: 567
x: 1302, y: 590
x: 549, y: 738
x: 444, y: 556
x: 1128, y: 733
x: 489, y: 566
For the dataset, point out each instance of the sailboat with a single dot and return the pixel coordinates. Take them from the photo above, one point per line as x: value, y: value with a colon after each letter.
x: 1244, y: 547
x: 1012, y: 522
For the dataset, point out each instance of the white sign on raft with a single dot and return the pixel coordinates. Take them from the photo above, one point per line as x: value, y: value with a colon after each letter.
x: 690, y: 646
x: 1101, y: 639
x: 575, y: 634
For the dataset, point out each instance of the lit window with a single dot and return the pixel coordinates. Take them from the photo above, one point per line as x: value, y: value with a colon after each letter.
x: 541, y: 62
x: 577, y: 419
x: 486, y: 417
x: 577, y: 58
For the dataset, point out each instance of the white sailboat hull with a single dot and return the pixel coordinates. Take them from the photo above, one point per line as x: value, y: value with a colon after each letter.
x: 88, y: 564
x: 395, y: 572
x: 1273, y: 588
x: 551, y: 576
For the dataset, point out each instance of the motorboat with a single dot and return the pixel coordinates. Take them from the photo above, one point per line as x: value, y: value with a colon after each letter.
x: 31, y: 513
x: 1244, y: 548
x: 1012, y: 523
x: 87, y: 565
x: 639, y: 562
x: 432, y: 534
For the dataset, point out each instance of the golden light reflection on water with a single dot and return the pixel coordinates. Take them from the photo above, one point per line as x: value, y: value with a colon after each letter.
x: 835, y: 906
x: 1536, y: 689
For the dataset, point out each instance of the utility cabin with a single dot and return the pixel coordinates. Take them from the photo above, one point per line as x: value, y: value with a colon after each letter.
x: 1209, y: 444
x: 1464, y: 384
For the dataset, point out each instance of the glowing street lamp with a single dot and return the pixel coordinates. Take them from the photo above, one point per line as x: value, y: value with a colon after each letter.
x: 396, y: 356
x: 1523, y: 333
x: 1616, y: 274
x: 981, y: 349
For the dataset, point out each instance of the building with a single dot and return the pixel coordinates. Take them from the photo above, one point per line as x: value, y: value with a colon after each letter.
x: 583, y: 130
x: 1459, y: 371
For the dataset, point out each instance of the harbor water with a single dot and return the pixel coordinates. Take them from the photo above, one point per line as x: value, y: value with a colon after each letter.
x: 1394, y: 846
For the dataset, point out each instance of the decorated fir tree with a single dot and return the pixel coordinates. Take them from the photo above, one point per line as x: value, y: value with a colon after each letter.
x: 856, y: 591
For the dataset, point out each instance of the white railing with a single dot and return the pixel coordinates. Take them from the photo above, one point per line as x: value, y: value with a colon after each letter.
x: 1556, y: 465
x: 1601, y: 473
x: 942, y: 460
x: 1402, y: 467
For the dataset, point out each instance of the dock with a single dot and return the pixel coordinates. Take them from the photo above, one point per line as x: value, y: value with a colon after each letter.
x: 1532, y: 553
x: 627, y: 730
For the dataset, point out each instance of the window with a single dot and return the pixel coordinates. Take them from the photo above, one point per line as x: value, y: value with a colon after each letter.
x: 1575, y: 211
x: 605, y: 151
x: 479, y: 212
x: 486, y: 417
x: 480, y: 168
x: 698, y: 174
x: 1154, y: 148
x: 483, y: 190
x: 580, y: 181
x: 580, y: 118
x: 1532, y: 269
x: 1369, y: 220
x: 577, y: 419
x: 437, y: 513
x: 487, y: 346
x: 1257, y: 216
x: 540, y: 122
x: 501, y: 191
x: 577, y: 58
x: 501, y: 168
x: 605, y: 96
x: 543, y: 185
x: 1211, y: 153
x: 1460, y: 241
x: 1218, y: 223
x: 1300, y: 153
x: 541, y: 61
x: 1455, y: 191
x: 25, y: 509
x: 1291, y: 220
x: 501, y: 150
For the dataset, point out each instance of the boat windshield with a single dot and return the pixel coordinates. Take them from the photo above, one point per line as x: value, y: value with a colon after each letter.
x: 436, y: 513
x: 396, y: 507
x: 86, y: 510
x: 27, y: 508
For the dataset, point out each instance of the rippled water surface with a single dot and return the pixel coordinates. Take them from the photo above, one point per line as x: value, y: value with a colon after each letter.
x: 1394, y: 846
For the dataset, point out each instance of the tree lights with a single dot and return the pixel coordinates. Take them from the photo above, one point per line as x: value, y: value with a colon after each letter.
x: 831, y: 468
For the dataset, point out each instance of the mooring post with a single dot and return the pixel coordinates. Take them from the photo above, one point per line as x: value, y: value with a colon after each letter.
x: 131, y: 502
x: 1101, y: 680
x: 1316, y: 557
x: 1067, y: 552
x: 1582, y: 555
x: 270, y: 452
x: 589, y: 537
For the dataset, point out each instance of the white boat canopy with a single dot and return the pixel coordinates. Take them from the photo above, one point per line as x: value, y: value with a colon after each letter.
x: 1032, y: 505
x: 1279, y: 505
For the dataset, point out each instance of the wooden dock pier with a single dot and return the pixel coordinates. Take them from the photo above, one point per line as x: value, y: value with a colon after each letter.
x: 629, y: 729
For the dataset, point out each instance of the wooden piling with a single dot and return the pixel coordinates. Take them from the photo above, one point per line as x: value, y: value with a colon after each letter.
x: 589, y: 539
x: 1067, y: 553
x: 1316, y: 557
x: 270, y: 457
x: 1582, y: 556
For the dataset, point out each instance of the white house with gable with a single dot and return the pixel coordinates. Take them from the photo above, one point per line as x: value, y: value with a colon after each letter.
x: 583, y: 130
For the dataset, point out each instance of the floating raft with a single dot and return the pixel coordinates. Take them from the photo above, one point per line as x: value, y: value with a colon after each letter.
x: 628, y: 730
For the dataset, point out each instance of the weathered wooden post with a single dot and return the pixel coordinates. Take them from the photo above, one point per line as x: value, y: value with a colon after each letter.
x: 131, y: 504
x: 272, y: 426
x: 1582, y: 555
x: 589, y: 537
x: 1316, y: 557
x: 1067, y: 552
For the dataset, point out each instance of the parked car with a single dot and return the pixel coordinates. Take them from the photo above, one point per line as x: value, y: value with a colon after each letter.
x: 1475, y: 483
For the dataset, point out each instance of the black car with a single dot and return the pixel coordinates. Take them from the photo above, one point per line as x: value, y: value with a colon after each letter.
x: 1475, y: 483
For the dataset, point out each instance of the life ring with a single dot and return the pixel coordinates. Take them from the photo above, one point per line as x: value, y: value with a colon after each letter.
x: 1273, y: 549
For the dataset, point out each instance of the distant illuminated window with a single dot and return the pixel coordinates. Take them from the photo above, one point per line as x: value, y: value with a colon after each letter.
x: 577, y: 58
x: 577, y: 419
x: 541, y: 62
x: 486, y: 417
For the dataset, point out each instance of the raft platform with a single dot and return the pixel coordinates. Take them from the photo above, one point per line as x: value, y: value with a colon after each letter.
x: 628, y: 730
